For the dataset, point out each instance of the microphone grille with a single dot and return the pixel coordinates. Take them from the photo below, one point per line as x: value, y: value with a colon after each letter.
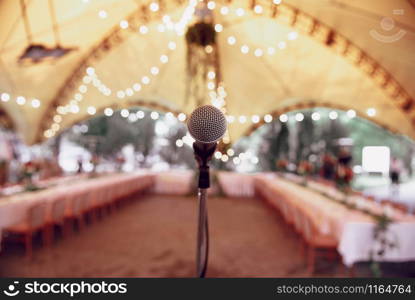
x: 207, y: 124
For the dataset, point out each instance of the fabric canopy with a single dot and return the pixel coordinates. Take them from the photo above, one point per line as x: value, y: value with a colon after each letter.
x: 302, y: 71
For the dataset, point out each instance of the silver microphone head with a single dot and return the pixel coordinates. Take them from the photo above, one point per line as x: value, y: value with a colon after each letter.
x: 207, y: 124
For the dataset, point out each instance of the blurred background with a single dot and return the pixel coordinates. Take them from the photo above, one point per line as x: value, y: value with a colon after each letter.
x: 318, y: 96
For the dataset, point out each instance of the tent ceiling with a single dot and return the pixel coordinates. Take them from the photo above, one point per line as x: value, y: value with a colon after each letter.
x: 303, y: 73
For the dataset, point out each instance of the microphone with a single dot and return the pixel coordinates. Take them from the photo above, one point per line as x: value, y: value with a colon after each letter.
x: 206, y: 125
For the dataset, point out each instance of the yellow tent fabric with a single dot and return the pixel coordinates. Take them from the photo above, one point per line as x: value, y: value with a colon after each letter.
x: 303, y: 72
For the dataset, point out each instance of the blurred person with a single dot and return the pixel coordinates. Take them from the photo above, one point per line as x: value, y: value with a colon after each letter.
x: 80, y: 165
x: 394, y: 174
x: 328, y: 167
x: 344, y: 157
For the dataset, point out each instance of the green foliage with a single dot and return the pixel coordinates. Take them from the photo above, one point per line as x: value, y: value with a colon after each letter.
x: 106, y: 136
x: 296, y: 141
x: 306, y: 137
x: 277, y: 139
x: 174, y: 155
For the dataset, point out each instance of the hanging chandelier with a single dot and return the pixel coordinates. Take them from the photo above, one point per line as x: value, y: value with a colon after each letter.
x: 37, y: 53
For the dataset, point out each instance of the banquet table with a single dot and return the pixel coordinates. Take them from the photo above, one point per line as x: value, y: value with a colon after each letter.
x: 177, y: 183
x: 353, y: 229
x: 236, y: 184
x: 14, y: 208
x: 182, y: 183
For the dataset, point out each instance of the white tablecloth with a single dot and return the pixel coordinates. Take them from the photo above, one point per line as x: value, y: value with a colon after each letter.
x: 13, y: 209
x: 353, y: 229
x: 236, y: 184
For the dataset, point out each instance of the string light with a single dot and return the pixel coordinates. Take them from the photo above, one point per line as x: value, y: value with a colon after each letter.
x: 292, y: 35
x: 164, y: 59
x: 143, y: 29
x: 283, y: 118
x: 240, y: 12
x: 35, y: 103
x: 124, y: 24
x: 255, y: 119
x: 5, y: 97
x: 57, y: 118
x: 351, y: 113
x: 333, y: 115
x: 120, y: 94
x: 102, y: 14
x: 224, y: 10
x: 136, y: 87
x: 371, y: 112
x: 231, y: 40
x: 154, y: 6
x: 108, y: 112
x: 140, y: 114
x: 244, y: 49
x: 154, y: 70
x: 211, y: 5
x: 268, y: 118
x: 236, y: 160
x: 172, y: 45
x: 181, y: 117
x: 179, y: 143
x: 124, y: 113
x: 315, y: 116
x: 20, y: 100
x: 91, y: 110
x: 258, y: 9
x: 55, y: 127
x: 91, y: 76
x: 299, y: 117
x: 259, y: 52
x: 218, y: 27
x: 154, y: 115
x: 218, y: 95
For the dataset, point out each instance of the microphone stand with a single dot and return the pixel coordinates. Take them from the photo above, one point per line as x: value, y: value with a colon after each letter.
x: 203, y: 154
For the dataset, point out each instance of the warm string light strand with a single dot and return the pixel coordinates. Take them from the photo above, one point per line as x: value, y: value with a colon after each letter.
x: 91, y: 76
x: 217, y: 94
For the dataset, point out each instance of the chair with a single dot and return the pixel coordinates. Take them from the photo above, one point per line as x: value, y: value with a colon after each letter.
x: 316, y: 241
x: 75, y: 211
x: 34, y: 221
x: 56, y: 217
x: 97, y: 202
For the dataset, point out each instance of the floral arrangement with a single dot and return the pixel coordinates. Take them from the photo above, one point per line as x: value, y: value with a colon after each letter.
x: 29, y: 169
x: 305, y: 168
x: 343, y: 177
x: 384, y: 239
x: 94, y: 162
x: 281, y: 165
x: 120, y: 160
